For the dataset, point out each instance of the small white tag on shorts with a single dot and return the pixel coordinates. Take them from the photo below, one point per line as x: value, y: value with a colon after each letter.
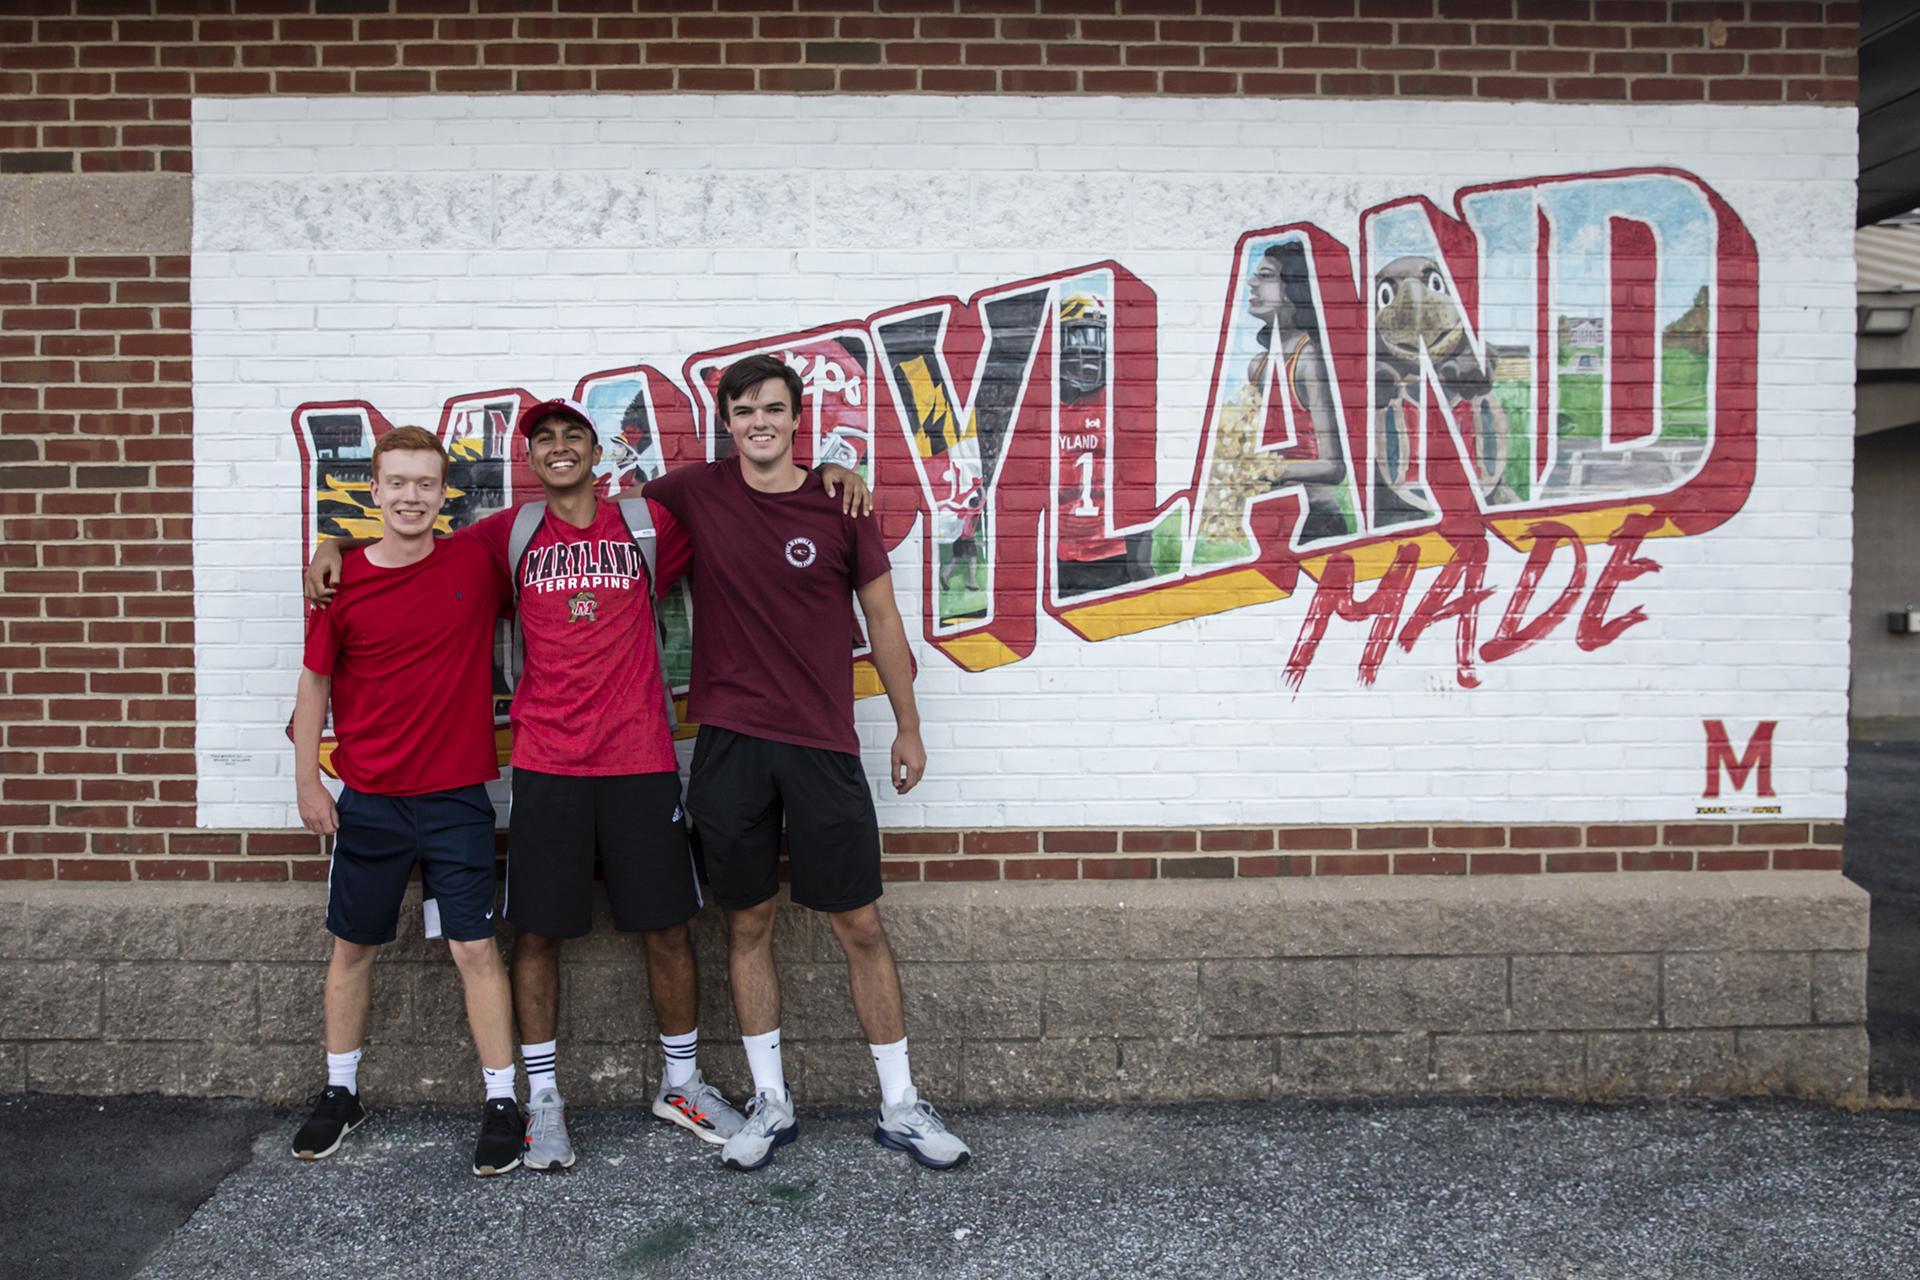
x: 430, y: 909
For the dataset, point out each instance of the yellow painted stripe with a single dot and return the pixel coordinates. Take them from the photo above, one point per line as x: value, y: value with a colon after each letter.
x: 1591, y: 526
x: 977, y: 652
x: 1164, y: 606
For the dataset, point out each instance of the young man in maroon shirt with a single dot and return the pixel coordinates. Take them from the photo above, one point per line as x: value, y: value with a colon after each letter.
x: 778, y: 564
x: 405, y: 657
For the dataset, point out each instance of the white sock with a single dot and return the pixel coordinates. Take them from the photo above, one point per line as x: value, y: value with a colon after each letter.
x: 763, y: 1059
x: 500, y: 1080
x: 539, y: 1060
x: 682, y: 1055
x: 344, y: 1069
x: 890, y: 1060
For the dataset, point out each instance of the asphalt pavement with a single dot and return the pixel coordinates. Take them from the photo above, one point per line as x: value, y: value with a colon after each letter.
x: 1422, y: 1190
x: 1446, y: 1191
x: 90, y: 1186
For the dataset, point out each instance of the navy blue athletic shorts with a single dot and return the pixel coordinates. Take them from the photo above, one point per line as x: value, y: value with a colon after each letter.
x: 448, y: 834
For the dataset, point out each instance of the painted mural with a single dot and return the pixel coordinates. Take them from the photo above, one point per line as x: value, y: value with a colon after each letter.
x: 1566, y: 365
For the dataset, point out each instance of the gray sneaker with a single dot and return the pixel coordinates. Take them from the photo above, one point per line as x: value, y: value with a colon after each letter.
x: 548, y: 1146
x: 769, y: 1124
x: 913, y: 1126
x: 700, y: 1107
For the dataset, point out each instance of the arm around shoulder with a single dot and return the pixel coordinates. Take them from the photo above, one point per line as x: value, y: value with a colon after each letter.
x: 322, y: 578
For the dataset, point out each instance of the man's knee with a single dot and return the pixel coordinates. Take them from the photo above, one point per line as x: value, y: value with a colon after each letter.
x: 535, y: 948
x: 475, y: 957
x: 665, y: 945
x: 352, y: 955
x: 859, y: 929
x: 752, y: 928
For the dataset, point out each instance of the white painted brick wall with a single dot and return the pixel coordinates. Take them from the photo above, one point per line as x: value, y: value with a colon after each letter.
x: 403, y: 251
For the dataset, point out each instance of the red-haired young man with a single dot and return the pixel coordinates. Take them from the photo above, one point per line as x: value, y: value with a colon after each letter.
x: 405, y: 655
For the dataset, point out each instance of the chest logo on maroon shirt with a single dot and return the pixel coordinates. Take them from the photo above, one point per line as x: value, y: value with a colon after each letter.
x: 581, y: 606
x: 801, y: 552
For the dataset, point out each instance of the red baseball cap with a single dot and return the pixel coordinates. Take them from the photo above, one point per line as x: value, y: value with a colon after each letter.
x: 560, y: 406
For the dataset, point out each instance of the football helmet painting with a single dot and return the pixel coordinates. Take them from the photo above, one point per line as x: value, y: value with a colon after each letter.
x: 1083, y: 345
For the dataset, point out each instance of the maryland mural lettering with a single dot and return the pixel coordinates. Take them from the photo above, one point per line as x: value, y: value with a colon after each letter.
x: 1565, y: 365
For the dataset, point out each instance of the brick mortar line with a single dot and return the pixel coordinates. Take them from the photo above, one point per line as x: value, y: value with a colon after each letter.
x: 711, y: 27
x: 1803, y: 90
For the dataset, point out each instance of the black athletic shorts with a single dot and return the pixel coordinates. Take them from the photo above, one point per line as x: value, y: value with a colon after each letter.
x: 633, y: 822
x: 741, y: 788
x: 448, y: 834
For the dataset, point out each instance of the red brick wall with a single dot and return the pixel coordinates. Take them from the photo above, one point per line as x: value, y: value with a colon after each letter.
x: 108, y: 90
x: 96, y: 473
x: 96, y: 622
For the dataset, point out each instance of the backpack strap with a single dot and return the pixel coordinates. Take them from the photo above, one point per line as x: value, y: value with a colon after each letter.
x: 526, y: 523
x: 639, y: 520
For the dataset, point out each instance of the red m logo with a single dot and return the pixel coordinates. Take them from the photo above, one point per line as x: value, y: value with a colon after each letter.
x: 1757, y: 756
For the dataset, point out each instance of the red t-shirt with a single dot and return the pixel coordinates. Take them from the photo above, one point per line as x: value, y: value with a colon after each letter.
x: 589, y: 701
x: 410, y: 652
x: 1081, y: 501
x: 773, y: 582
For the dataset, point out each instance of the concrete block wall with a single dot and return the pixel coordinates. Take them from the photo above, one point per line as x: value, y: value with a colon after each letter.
x: 123, y: 329
x: 1586, y: 986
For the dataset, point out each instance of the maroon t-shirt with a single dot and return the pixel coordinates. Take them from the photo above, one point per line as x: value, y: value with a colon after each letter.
x: 410, y: 653
x: 773, y: 582
x: 589, y: 701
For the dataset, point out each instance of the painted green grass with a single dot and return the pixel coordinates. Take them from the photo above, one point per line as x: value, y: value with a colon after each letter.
x: 1683, y: 399
x: 675, y: 619
x: 958, y: 602
x: 1169, y: 546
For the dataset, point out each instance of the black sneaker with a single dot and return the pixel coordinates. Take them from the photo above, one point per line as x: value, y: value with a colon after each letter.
x: 336, y: 1113
x: 503, y: 1138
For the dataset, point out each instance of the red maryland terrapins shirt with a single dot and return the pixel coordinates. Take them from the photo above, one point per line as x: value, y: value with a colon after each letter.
x: 589, y: 701
x: 410, y: 653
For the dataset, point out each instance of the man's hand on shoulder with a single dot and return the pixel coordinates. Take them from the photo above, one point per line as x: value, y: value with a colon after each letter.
x: 322, y: 578
x: 909, y: 760
x: 857, y: 498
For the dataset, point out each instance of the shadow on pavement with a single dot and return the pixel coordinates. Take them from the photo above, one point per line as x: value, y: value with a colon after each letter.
x: 1883, y: 857
x: 92, y: 1186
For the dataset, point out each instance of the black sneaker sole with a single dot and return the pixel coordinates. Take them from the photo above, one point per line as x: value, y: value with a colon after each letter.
x: 494, y: 1171
x: 322, y: 1155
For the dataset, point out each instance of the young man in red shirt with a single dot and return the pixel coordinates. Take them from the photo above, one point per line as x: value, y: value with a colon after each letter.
x: 405, y: 657
x: 778, y: 566
x: 594, y: 774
